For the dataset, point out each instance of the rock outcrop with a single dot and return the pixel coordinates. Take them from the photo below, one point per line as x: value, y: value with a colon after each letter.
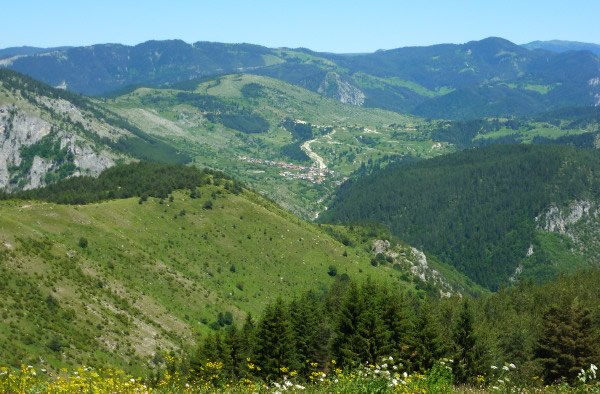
x: 20, y: 130
x: 334, y: 86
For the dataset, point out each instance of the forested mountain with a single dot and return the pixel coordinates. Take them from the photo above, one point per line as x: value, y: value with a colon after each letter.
x: 490, y: 77
x: 159, y: 255
x: 563, y: 46
x: 500, y: 212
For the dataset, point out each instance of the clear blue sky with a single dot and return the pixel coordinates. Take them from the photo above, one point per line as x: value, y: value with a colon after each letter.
x: 335, y: 26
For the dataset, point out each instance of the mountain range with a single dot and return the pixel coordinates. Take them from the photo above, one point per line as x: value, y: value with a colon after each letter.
x: 490, y: 77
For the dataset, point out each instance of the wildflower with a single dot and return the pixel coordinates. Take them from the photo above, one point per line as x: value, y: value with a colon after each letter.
x: 384, y: 366
x: 513, y: 366
x: 494, y: 367
x: 405, y: 375
x: 395, y: 367
x: 505, y: 368
x: 495, y: 387
x: 391, y: 358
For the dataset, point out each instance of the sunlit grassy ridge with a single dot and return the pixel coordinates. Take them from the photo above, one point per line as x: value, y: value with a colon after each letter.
x: 117, y: 281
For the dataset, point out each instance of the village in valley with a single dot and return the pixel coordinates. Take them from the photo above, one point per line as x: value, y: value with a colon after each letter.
x: 295, y: 171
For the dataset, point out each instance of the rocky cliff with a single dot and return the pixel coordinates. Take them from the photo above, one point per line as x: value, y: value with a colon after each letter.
x: 45, y: 137
x: 33, y: 152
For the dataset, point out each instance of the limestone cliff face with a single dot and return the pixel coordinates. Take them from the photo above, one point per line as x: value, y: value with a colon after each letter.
x: 334, y: 86
x: 562, y: 220
x: 20, y: 130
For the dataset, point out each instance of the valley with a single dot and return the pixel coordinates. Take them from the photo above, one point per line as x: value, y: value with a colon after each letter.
x: 216, y: 217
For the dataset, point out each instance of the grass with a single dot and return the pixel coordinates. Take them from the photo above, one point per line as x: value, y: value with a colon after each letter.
x: 154, y: 276
x: 526, y: 135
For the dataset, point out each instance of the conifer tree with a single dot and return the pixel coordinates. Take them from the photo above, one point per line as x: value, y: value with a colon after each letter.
x: 274, y: 341
x: 428, y: 344
x: 567, y: 342
x: 467, y: 358
x: 311, y: 333
x: 374, y: 335
x: 347, y: 345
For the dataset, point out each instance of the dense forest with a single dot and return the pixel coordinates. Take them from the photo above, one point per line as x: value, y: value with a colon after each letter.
x: 474, y: 209
x: 143, y: 179
x: 547, y: 332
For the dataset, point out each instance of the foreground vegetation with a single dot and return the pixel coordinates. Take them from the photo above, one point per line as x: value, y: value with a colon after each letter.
x: 528, y: 339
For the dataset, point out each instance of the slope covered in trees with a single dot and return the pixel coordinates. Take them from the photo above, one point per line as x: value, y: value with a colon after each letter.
x: 477, y: 208
x: 532, y: 333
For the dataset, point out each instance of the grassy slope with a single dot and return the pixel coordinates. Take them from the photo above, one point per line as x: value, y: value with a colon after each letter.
x: 150, y: 279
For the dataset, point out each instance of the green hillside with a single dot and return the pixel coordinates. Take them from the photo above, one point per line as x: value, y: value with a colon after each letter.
x: 493, y: 213
x: 235, y: 123
x: 118, y: 281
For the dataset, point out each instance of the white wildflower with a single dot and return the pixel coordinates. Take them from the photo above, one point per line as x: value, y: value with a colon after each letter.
x: 299, y: 387
x: 495, y: 387
x: 384, y: 366
x: 494, y: 367
x: 392, y: 359
x: 405, y: 374
x: 500, y: 381
x: 513, y: 366
x: 30, y: 366
x: 395, y: 367
x: 505, y: 368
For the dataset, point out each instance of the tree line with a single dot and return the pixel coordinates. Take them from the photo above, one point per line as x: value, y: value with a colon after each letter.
x: 547, y: 331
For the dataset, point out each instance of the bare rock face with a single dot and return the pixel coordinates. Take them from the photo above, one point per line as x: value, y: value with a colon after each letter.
x: 19, y: 130
x: 334, y: 86
x: 560, y: 220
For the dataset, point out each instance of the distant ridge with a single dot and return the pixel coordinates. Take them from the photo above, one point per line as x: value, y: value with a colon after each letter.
x: 560, y: 46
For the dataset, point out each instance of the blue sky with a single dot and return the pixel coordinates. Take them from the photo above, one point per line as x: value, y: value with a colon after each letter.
x: 334, y: 26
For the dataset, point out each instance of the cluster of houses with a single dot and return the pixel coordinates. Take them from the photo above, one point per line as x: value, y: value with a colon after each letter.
x: 294, y: 171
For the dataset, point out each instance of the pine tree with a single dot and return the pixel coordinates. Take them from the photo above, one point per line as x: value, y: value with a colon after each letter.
x: 347, y: 346
x: 428, y: 344
x: 274, y: 341
x: 567, y: 342
x: 373, y: 331
x: 311, y: 333
x: 467, y: 358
